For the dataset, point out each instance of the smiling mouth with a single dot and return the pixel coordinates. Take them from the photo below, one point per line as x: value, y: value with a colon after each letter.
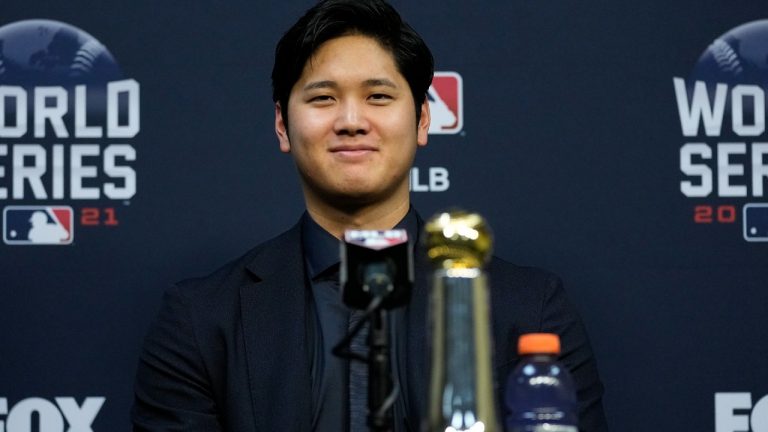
x: 353, y: 151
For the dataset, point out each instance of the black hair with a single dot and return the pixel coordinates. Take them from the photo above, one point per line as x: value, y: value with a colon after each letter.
x: 330, y: 19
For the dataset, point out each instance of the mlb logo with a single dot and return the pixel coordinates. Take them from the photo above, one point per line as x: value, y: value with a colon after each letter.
x: 38, y: 225
x: 446, y: 103
x: 756, y: 222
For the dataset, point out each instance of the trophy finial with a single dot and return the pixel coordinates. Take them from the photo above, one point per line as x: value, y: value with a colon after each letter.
x: 458, y: 239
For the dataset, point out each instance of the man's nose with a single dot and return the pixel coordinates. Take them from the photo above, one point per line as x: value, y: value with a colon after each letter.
x: 351, y: 119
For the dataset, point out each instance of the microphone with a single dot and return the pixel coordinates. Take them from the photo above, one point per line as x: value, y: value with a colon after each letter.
x: 376, y: 265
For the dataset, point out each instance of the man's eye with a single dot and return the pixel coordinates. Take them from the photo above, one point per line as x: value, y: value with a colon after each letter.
x: 380, y: 97
x: 321, y: 98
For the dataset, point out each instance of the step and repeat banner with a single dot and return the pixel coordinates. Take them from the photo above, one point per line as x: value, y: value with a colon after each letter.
x: 621, y: 145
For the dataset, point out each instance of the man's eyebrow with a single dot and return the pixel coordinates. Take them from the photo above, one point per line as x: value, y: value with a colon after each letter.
x: 320, y: 85
x: 328, y: 84
x: 375, y: 82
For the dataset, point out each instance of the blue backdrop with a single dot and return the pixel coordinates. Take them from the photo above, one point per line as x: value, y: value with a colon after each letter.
x: 568, y: 135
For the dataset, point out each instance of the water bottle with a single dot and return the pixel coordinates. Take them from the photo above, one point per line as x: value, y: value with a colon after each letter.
x: 540, y: 395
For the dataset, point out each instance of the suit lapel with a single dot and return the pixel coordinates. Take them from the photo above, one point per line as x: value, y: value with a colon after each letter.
x: 274, y: 316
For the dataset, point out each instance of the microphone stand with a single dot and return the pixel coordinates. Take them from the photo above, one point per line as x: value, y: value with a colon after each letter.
x: 381, y: 394
x: 379, y: 374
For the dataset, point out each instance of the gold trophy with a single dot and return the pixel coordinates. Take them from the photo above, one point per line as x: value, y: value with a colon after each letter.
x: 461, y: 389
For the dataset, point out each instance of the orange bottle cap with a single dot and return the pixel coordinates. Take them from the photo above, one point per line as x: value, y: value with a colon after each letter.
x: 538, y: 343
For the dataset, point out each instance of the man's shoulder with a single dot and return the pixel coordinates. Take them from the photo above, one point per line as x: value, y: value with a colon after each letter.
x: 509, y: 274
x: 244, y: 269
x: 522, y: 288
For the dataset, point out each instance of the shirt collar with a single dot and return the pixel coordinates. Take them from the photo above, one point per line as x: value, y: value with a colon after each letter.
x: 321, y: 248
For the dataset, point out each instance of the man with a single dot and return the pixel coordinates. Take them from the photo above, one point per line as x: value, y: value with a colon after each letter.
x: 248, y: 348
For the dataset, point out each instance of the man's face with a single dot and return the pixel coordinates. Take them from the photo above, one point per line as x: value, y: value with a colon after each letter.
x: 351, y: 124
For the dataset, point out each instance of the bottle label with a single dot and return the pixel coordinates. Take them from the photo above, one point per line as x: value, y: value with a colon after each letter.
x: 543, y: 427
x: 546, y: 427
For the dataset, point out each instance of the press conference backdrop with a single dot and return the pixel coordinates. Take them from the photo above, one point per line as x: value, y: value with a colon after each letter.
x: 619, y: 144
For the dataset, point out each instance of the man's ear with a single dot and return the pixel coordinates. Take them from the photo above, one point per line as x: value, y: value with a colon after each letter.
x: 281, y: 129
x: 423, y: 128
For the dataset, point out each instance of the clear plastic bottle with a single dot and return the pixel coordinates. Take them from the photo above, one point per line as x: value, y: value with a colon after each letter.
x: 540, y: 395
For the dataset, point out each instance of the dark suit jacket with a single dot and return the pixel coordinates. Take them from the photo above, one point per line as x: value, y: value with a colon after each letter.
x: 230, y: 351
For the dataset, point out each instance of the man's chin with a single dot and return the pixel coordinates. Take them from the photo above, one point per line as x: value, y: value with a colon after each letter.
x: 354, y: 193
x: 356, y: 197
